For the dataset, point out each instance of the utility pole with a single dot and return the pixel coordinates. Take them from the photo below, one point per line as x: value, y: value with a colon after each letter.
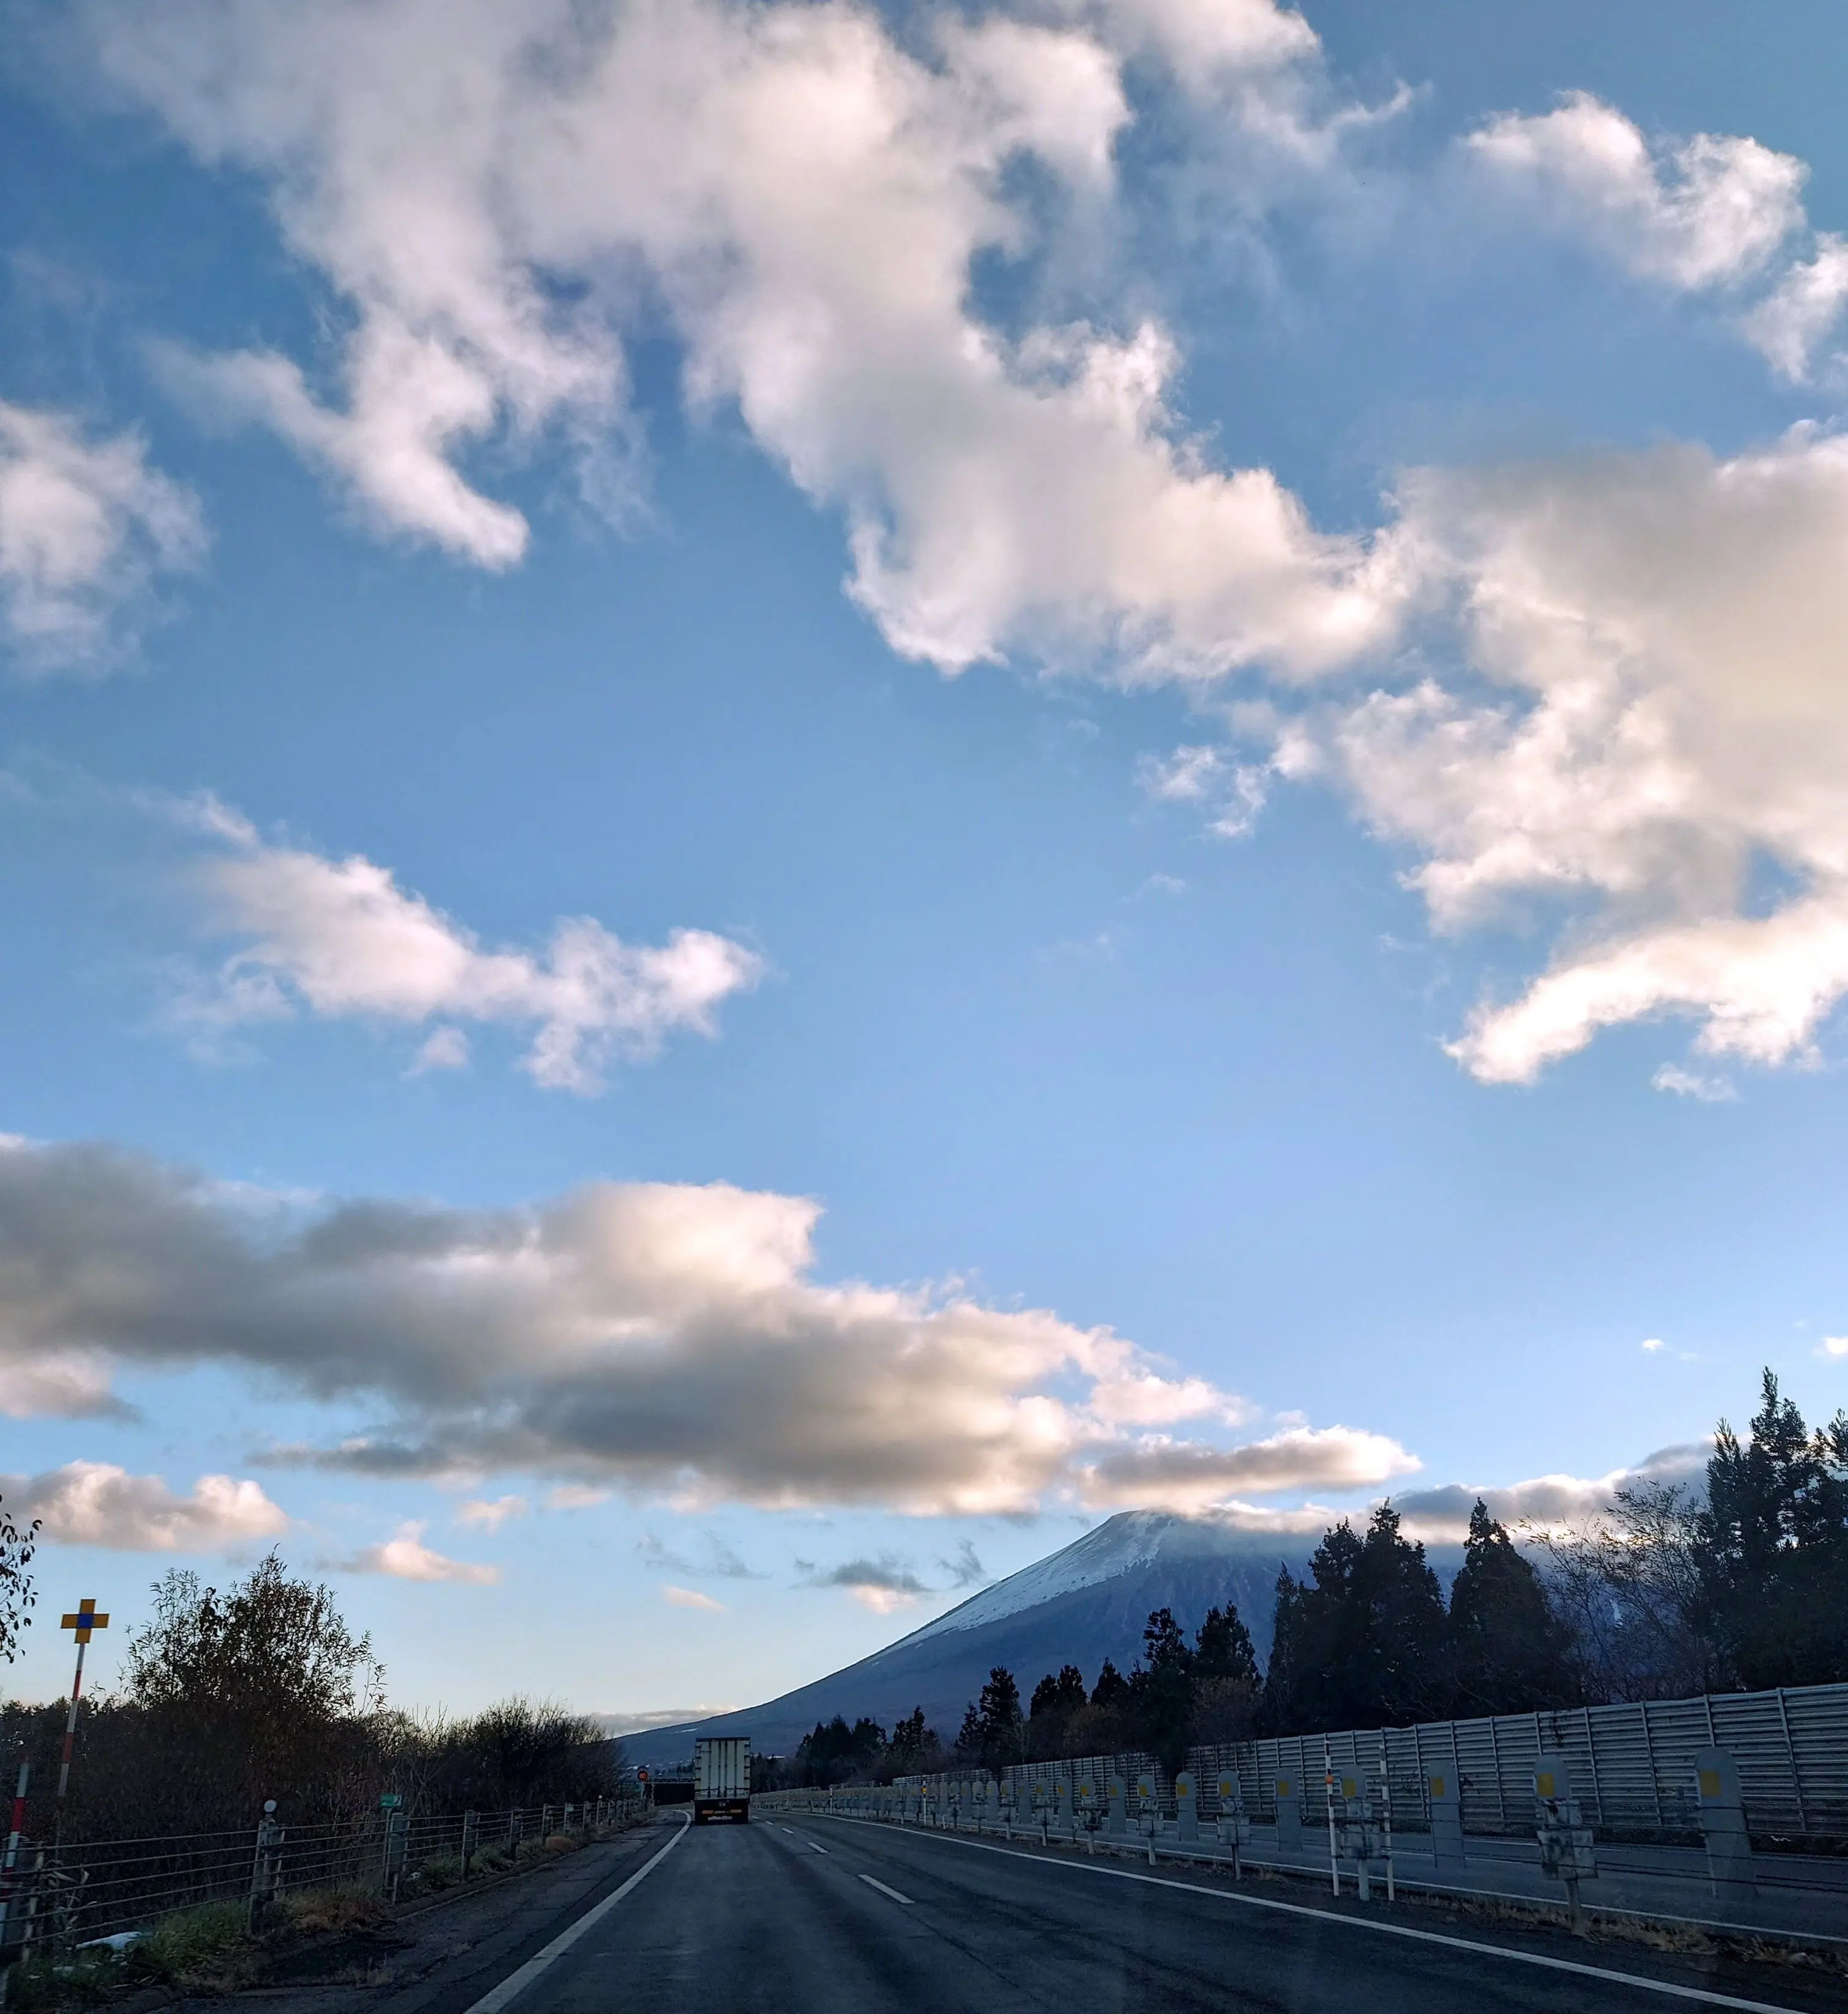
x: 83, y: 1622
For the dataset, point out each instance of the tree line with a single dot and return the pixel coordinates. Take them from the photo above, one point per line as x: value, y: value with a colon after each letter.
x: 1671, y: 1591
x: 229, y: 1698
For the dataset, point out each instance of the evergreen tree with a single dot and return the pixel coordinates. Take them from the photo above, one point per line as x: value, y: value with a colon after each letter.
x: 1774, y: 1546
x: 1225, y: 1683
x: 1112, y: 1688
x: 1056, y: 1700
x: 1363, y: 1640
x: 911, y: 1742
x: 1222, y: 1647
x: 1161, y: 1689
x: 1000, y: 1726
x: 1510, y: 1653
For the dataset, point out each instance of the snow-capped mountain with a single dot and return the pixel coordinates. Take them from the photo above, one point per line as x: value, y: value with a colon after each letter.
x: 1087, y: 1602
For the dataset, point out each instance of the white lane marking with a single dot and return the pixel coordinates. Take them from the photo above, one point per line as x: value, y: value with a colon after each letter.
x: 516, y: 1983
x: 884, y: 1890
x: 1640, y: 1981
x: 790, y: 1830
x: 816, y: 1849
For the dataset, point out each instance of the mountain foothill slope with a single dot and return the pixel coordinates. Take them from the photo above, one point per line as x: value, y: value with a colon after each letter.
x: 1080, y: 1605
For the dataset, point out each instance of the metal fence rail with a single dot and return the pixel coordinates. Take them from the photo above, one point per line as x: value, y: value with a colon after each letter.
x: 1632, y: 1766
x: 80, y: 1891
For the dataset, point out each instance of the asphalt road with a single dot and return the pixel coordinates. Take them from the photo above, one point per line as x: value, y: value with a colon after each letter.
x: 825, y: 1917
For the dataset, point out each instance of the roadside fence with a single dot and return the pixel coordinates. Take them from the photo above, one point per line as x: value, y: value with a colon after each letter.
x: 1633, y: 1766
x: 73, y: 1893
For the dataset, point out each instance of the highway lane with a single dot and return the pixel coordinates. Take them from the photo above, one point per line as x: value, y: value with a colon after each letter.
x: 832, y: 1917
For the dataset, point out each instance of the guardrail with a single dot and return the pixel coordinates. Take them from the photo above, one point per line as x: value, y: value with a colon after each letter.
x: 1633, y: 1766
x: 73, y: 1893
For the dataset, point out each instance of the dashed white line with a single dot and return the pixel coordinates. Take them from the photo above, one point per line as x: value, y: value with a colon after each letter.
x: 818, y: 1849
x: 884, y: 1890
x: 1702, y: 1996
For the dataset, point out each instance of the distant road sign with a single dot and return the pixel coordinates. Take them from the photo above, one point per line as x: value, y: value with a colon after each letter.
x: 389, y: 1802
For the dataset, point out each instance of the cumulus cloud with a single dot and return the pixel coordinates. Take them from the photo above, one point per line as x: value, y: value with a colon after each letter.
x: 405, y: 1557
x: 87, y: 527
x: 1441, y: 1516
x: 1655, y: 755
x: 1832, y: 1345
x: 1183, y: 1475
x: 1715, y: 214
x: 338, y: 938
x: 1793, y: 323
x: 1700, y: 213
x: 96, y: 1503
x: 489, y: 1513
x: 666, y: 1340
x: 498, y: 195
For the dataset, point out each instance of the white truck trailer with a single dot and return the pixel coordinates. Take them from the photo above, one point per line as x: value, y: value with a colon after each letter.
x: 722, y: 1778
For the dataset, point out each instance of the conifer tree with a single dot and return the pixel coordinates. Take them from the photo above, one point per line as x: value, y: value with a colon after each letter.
x: 1510, y: 1653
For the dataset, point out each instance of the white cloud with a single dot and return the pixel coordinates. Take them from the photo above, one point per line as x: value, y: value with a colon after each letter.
x: 1664, y: 769
x: 1145, y: 1399
x: 690, y: 1597
x: 445, y: 1048
x: 1832, y: 1345
x: 97, y: 1504
x: 1196, y: 773
x: 405, y: 1557
x: 86, y: 529
x: 1792, y: 323
x: 489, y: 1513
x: 1441, y: 1515
x: 341, y: 938
x: 498, y: 194
x: 1652, y: 1343
x: 666, y: 1340
x: 619, y: 1724
x: 1155, y: 1471
x: 1707, y: 212
x: 1709, y: 1089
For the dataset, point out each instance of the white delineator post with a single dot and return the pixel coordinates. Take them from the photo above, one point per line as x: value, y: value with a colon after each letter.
x: 82, y: 1622
x: 1328, y: 1788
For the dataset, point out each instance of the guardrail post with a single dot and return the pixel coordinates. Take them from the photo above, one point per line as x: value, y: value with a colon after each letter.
x: 1446, y: 1794
x: 471, y: 1841
x: 1723, y: 1826
x: 265, y: 1870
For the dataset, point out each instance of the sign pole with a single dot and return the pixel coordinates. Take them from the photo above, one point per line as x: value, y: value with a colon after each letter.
x: 82, y: 1622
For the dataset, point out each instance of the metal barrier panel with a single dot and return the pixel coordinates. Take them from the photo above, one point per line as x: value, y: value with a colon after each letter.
x: 1632, y: 1763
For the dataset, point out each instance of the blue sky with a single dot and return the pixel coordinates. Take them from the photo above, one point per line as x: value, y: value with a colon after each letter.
x: 791, y: 796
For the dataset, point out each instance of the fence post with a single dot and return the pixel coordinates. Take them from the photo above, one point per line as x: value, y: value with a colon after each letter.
x: 545, y: 1823
x: 397, y: 1831
x: 263, y: 1869
x: 515, y: 1827
x: 471, y: 1841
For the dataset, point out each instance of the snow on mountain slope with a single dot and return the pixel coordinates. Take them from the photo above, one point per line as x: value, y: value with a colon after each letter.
x: 1130, y: 1540
x: 1083, y: 1603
